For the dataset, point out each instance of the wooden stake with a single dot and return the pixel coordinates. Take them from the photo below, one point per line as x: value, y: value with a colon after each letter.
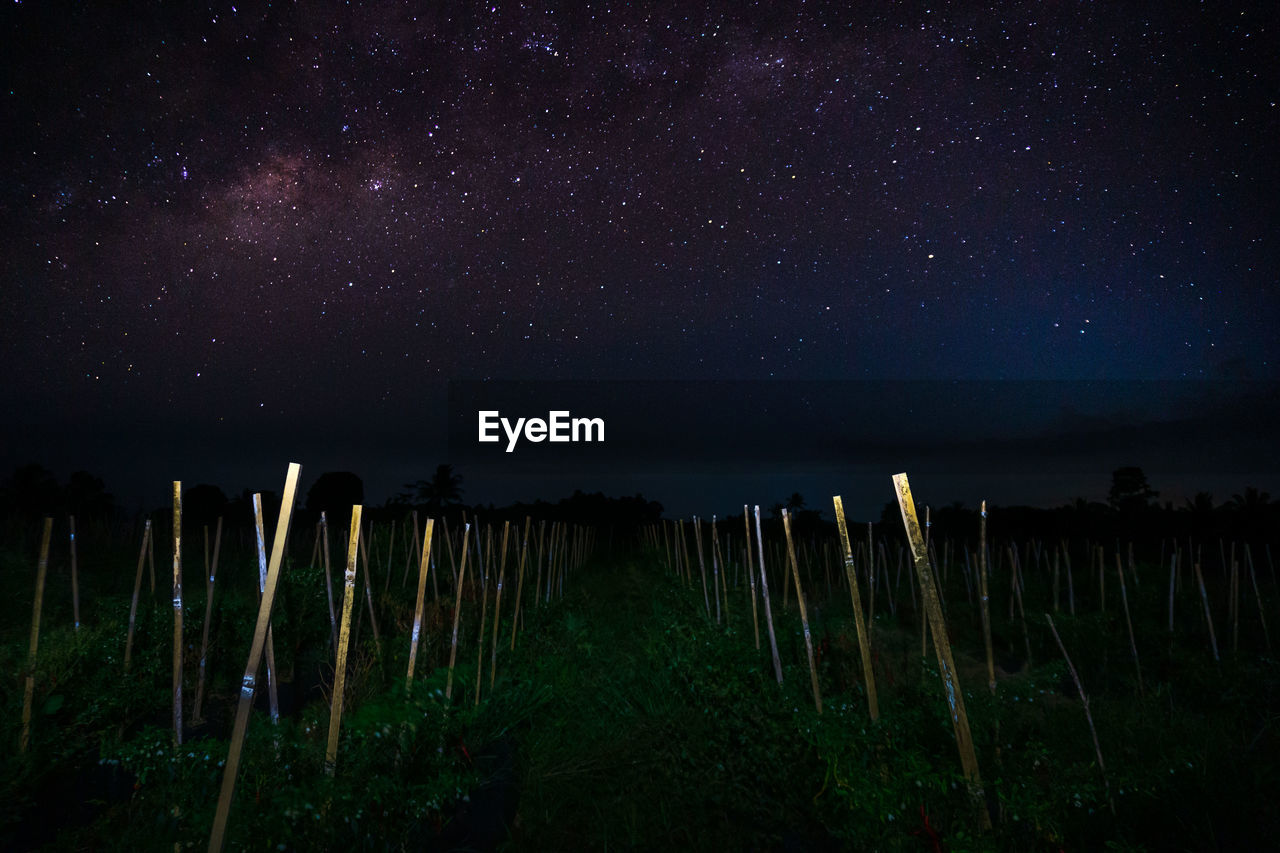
x: 249, y: 683
x: 137, y: 587
x: 497, y: 604
x: 75, y: 577
x: 424, y: 561
x: 942, y: 648
x: 1253, y: 580
x: 212, y: 569
x: 1133, y: 645
x: 764, y: 595
x: 1208, y: 615
x: 328, y: 586
x: 702, y: 567
x: 1084, y: 700
x: 29, y: 686
x: 984, y: 597
x: 272, y: 696
x: 751, y: 577
x: 851, y: 576
x: 344, y: 640
x: 804, y: 616
x: 177, y: 612
x: 457, y: 612
x: 524, y: 550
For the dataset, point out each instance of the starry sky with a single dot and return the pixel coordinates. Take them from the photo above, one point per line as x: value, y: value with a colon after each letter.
x: 237, y: 234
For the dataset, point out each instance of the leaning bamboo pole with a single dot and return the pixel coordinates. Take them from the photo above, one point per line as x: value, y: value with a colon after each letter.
x: 75, y: 576
x: 29, y: 686
x: 272, y: 695
x: 484, y: 612
x: 137, y: 587
x: 702, y: 567
x: 524, y: 550
x: 1253, y: 580
x: 212, y: 569
x: 1084, y: 700
x: 1208, y: 614
x: 457, y: 613
x: 328, y: 585
x: 177, y: 612
x: 344, y: 640
x: 804, y: 616
x: 764, y: 596
x: 1133, y: 644
x: 424, y: 565
x: 249, y: 683
x: 864, y: 646
x: 984, y: 597
x: 751, y: 577
x: 497, y: 604
x: 942, y: 648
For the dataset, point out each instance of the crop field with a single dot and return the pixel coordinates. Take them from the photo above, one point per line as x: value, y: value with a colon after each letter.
x: 386, y: 680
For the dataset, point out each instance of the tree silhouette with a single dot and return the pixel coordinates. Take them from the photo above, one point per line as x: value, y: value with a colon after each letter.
x: 334, y: 493
x: 1130, y: 490
x: 441, y: 492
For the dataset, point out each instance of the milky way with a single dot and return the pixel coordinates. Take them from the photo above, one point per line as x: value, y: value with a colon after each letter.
x: 293, y: 207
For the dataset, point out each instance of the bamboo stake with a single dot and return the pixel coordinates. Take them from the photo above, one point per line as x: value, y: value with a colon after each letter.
x: 177, y: 612
x: 344, y: 640
x: 751, y: 577
x: 328, y: 586
x: 942, y: 648
x: 217, y: 834
x: 75, y: 578
x: 1071, y: 587
x: 984, y: 597
x: 212, y: 570
x: 29, y: 686
x: 497, y: 604
x: 368, y: 595
x: 719, y: 581
x: 868, y: 674
x: 702, y: 567
x: 484, y: 608
x: 423, y: 567
x: 457, y: 612
x: 804, y: 616
x: 1173, y: 570
x: 1208, y: 615
x: 524, y: 550
x: 1133, y: 644
x: 764, y: 595
x: 1235, y: 602
x: 137, y: 587
x: 272, y: 696
x: 1084, y: 700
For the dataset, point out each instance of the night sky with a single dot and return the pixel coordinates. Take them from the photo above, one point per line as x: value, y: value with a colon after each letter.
x: 239, y: 235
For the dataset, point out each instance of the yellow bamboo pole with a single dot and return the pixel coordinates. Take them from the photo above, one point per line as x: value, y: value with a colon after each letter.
x: 177, y: 612
x: 484, y: 612
x: 137, y: 587
x: 804, y: 616
x: 29, y: 687
x: 942, y: 648
x: 218, y: 833
x: 868, y: 674
x: 344, y: 639
x: 457, y: 612
x: 424, y: 566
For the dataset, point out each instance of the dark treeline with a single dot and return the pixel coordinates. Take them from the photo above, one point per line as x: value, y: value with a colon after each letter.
x: 1132, y: 510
